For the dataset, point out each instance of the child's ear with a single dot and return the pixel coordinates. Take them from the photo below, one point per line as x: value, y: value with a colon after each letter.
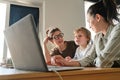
x: 88, y: 40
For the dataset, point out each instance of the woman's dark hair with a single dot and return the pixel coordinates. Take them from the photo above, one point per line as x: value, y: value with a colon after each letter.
x: 51, y: 31
x: 106, y: 8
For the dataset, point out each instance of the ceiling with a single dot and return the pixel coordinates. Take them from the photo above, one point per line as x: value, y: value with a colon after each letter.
x: 117, y: 1
x: 37, y: 2
x: 33, y: 2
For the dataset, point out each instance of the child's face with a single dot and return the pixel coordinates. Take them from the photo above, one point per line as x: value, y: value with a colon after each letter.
x: 80, y: 38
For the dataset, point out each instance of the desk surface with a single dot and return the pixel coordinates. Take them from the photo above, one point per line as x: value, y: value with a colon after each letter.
x: 85, y: 74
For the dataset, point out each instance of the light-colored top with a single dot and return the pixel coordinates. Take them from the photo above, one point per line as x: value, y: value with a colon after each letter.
x: 81, y: 53
x: 105, y: 50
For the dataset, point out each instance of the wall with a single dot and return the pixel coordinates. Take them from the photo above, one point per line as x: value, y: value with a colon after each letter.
x: 65, y: 14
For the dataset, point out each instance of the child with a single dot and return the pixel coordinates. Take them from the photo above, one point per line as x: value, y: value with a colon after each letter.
x: 83, y: 39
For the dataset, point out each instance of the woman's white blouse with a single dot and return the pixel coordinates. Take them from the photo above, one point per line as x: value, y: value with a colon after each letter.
x: 105, y: 50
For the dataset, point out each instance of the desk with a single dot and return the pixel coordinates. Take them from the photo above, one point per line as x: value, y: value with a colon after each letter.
x: 85, y: 74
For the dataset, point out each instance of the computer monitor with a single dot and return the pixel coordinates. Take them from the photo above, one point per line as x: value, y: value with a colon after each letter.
x: 24, y: 45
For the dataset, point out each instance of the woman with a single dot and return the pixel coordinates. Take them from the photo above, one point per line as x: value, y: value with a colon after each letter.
x: 62, y: 48
x: 106, y: 49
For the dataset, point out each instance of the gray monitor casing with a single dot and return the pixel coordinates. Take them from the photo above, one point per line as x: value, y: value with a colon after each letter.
x: 24, y: 45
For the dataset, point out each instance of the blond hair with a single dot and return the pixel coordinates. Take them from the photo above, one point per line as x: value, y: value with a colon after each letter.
x: 85, y: 31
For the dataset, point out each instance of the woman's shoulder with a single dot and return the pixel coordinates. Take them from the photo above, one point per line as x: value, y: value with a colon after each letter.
x: 71, y: 43
x: 117, y: 27
x: 54, y: 51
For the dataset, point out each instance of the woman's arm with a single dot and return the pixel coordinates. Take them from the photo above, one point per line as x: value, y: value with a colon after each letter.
x: 46, y: 51
x: 59, y: 60
x: 71, y: 63
x: 111, y: 52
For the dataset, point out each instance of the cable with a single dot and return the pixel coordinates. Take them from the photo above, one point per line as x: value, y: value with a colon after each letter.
x: 58, y: 74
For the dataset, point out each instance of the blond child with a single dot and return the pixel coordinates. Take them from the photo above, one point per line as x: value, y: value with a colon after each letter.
x: 82, y: 38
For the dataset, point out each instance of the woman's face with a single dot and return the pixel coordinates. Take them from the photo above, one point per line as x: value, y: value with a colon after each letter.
x: 58, y: 38
x: 80, y: 38
x: 93, y: 23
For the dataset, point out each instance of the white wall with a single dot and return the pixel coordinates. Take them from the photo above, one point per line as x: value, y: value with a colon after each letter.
x: 65, y: 14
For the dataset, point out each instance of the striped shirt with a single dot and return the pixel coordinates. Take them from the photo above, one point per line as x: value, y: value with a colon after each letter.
x: 105, y: 50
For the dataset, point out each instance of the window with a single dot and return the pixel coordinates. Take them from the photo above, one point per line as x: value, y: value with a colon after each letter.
x: 18, y: 11
x: 3, y: 7
x: 87, y: 5
x: 14, y: 16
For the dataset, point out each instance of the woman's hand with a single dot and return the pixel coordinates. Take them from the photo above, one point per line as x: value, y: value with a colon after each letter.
x: 55, y: 60
x: 45, y: 41
x: 60, y: 61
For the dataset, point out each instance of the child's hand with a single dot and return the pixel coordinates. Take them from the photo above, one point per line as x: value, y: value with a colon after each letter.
x: 68, y: 58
